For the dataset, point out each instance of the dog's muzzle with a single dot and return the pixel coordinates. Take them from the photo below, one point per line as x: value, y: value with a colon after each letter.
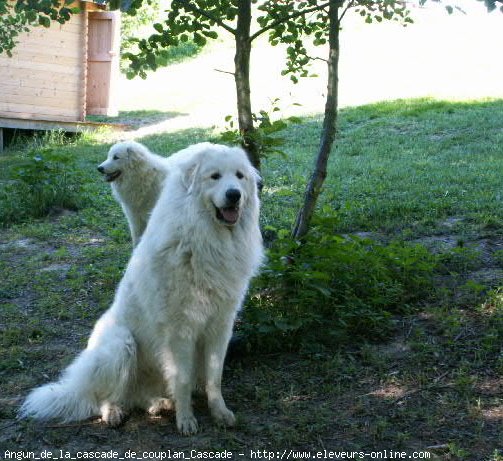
x: 229, y: 214
x: 109, y: 177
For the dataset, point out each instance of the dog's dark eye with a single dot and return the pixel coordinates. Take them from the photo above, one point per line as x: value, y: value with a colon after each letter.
x: 239, y: 175
x: 216, y: 176
x: 115, y: 157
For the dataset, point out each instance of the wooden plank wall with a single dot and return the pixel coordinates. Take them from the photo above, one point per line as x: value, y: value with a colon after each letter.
x: 45, y: 77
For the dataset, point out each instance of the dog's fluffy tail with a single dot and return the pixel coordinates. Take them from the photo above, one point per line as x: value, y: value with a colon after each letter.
x: 58, y: 401
x: 101, y: 374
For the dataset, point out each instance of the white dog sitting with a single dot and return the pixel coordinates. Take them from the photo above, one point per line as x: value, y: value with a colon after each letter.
x: 173, y: 313
x: 136, y: 176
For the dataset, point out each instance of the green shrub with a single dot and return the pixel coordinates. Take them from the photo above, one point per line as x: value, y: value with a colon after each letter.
x: 333, y: 288
x: 460, y: 259
x: 267, y: 133
x: 45, y: 180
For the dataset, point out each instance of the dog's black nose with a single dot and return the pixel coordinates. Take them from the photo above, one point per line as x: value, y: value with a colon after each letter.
x: 101, y: 169
x: 233, y: 195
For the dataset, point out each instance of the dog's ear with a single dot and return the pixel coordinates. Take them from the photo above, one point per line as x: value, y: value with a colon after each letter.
x: 190, y: 169
x: 189, y: 175
x: 257, y: 178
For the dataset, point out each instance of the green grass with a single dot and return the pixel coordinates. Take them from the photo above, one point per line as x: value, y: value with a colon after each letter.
x: 418, y: 181
x: 401, y: 168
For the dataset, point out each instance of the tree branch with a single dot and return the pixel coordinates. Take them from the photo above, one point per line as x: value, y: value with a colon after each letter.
x: 287, y: 18
x: 350, y: 4
x: 317, y: 58
x: 189, y: 6
x: 225, y: 72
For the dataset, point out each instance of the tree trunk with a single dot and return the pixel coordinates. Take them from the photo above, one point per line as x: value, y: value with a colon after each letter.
x: 313, y: 189
x: 242, y: 79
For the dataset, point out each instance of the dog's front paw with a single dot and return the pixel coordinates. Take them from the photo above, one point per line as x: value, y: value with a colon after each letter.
x: 112, y: 415
x: 159, y: 406
x: 187, y: 424
x: 224, y: 416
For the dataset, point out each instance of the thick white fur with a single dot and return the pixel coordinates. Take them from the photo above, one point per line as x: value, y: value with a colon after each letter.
x: 142, y: 174
x: 172, y: 317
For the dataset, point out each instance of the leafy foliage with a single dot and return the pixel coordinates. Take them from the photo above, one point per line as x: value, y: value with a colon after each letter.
x: 137, y: 25
x: 182, y: 25
x: 44, y: 180
x: 491, y: 5
x: 20, y: 16
x: 267, y: 131
x: 331, y: 289
x: 287, y: 22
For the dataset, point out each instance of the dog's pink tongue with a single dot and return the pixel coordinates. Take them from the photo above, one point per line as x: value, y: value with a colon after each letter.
x: 230, y: 214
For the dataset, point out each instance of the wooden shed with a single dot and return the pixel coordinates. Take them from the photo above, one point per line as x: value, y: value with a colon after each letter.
x: 59, y: 75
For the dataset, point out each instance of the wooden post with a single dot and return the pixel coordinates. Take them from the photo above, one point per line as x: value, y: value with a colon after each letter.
x: 1, y: 140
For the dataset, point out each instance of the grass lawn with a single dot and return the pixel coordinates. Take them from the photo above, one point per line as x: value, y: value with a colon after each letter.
x: 417, y: 172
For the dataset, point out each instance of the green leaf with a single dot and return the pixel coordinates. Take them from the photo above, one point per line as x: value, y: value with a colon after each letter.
x: 199, y: 39
x: 278, y: 125
x: 44, y: 21
x: 210, y: 34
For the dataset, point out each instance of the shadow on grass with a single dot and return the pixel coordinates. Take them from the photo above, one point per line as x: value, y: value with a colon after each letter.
x: 435, y: 385
x: 135, y: 119
x: 396, y: 166
x: 166, y: 144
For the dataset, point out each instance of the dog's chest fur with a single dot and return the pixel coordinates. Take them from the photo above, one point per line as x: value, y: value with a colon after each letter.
x: 216, y: 271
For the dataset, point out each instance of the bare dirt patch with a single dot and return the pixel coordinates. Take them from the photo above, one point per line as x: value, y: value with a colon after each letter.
x: 433, y: 385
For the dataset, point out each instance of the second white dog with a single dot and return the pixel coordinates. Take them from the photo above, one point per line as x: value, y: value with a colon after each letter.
x: 173, y: 313
x: 136, y: 175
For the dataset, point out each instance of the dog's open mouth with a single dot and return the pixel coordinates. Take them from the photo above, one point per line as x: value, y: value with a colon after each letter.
x: 109, y: 177
x: 228, y: 215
